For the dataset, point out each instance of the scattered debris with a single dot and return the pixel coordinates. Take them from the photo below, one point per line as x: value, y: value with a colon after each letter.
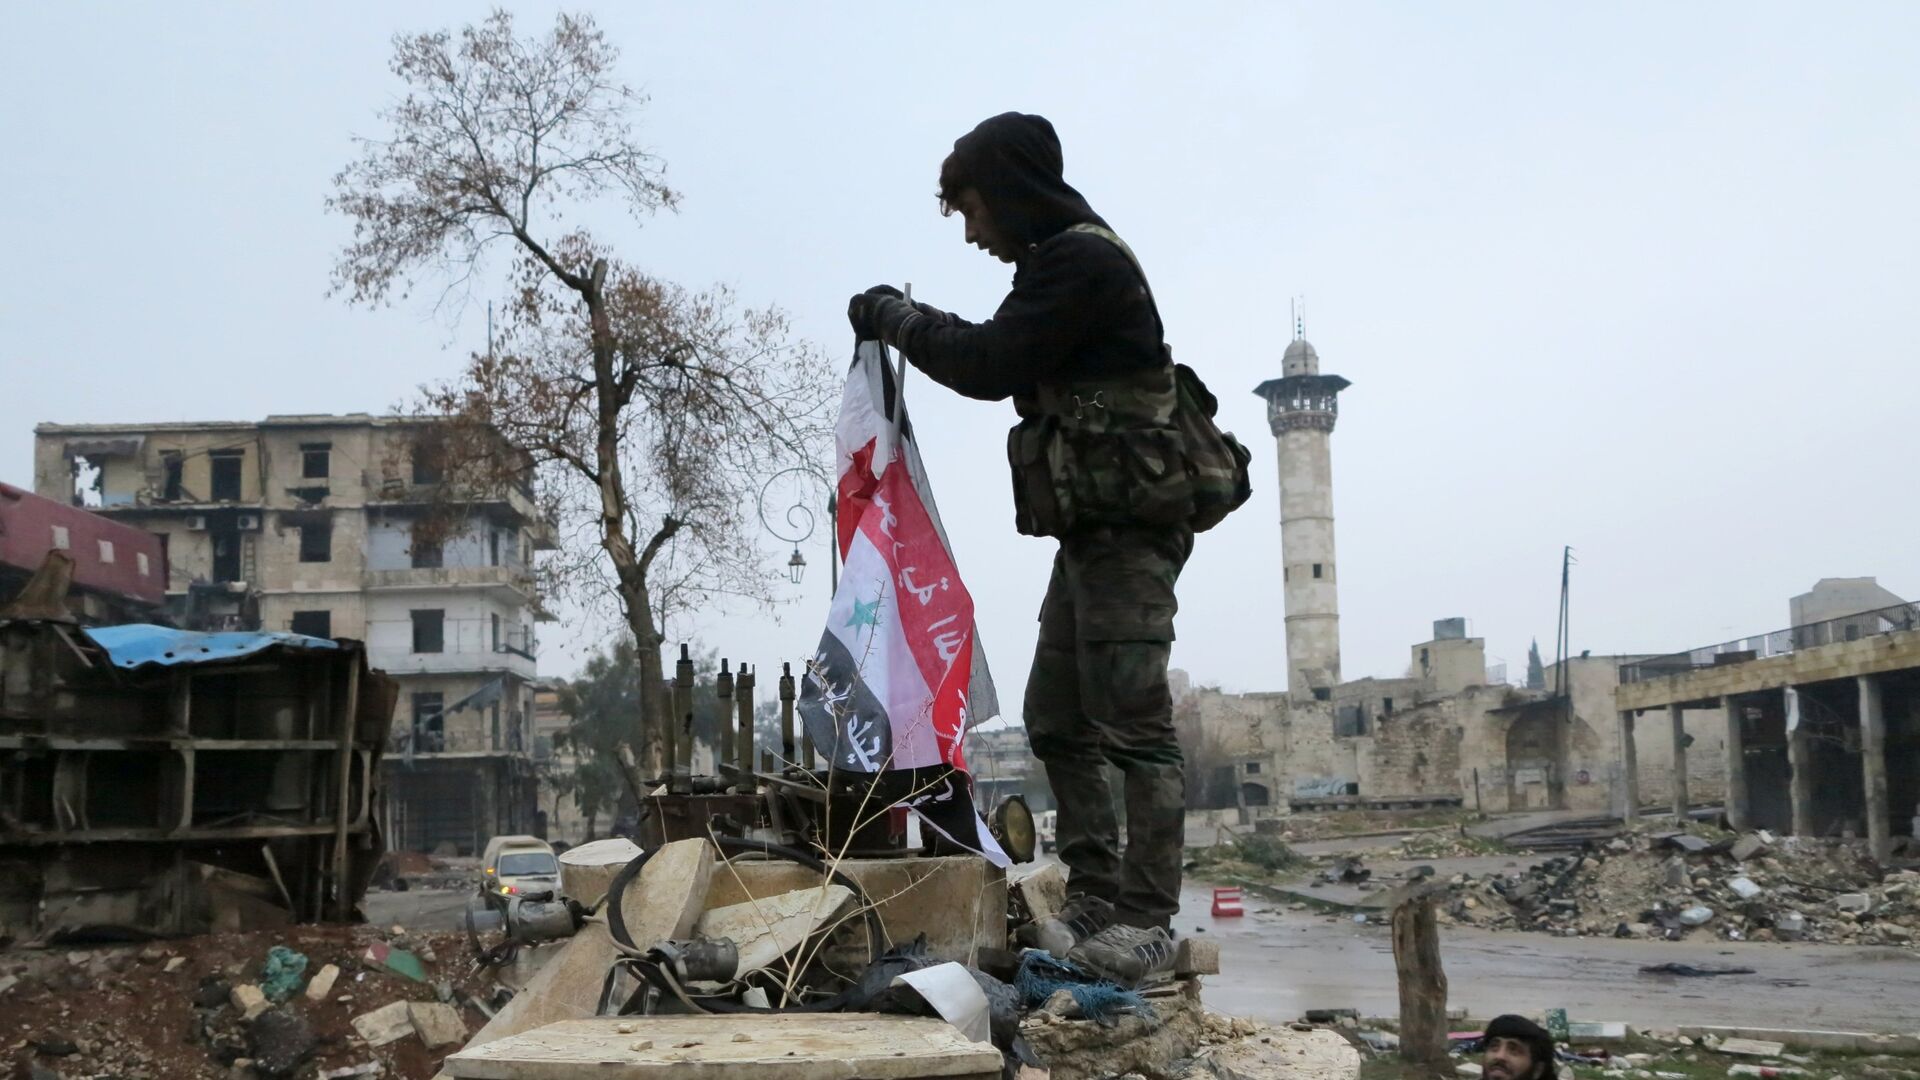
x: 1751, y: 1047
x: 436, y: 1024
x: 1672, y: 886
x: 1693, y: 971
x: 282, y: 973
x: 249, y: 1000
x: 322, y: 983
x: 398, y: 961
x: 388, y: 1023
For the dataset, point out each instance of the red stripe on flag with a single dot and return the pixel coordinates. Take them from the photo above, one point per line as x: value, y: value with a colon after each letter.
x: 935, y: 609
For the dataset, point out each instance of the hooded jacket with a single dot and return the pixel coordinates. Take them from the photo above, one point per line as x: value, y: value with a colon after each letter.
x: 1078, y: 310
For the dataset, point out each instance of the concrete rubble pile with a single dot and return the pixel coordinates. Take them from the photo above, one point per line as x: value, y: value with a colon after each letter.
x: 1675, y: 886
x: 949, y: 987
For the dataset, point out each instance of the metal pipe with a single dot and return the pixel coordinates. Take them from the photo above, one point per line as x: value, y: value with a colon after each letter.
x: 681, y: 726
x: 786, y: 713
x: 743, y: 700
x: 348, y: 719
x: 723, y: 718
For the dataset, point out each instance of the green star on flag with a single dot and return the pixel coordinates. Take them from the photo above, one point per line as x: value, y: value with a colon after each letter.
x: 865, y: 613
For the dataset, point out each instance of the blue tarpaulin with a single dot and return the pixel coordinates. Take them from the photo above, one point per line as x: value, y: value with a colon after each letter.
x: 139, y: 644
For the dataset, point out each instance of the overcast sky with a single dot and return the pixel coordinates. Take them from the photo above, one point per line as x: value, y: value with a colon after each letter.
x: 1638, y: 278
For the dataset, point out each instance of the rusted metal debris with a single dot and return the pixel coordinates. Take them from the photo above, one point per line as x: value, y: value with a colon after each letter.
x: 160, y: 782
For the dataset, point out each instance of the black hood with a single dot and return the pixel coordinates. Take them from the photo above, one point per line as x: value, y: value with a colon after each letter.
x: 1013, y: 160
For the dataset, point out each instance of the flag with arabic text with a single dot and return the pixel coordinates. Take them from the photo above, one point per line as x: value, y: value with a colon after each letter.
x: 898, y: 677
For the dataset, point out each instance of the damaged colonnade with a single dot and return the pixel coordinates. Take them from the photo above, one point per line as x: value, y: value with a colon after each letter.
x: 1823, y: 739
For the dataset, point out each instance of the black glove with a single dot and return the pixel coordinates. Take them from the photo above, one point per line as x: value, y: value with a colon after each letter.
x: 863, y: 311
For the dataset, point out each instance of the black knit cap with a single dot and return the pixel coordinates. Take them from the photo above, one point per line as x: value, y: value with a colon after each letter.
x: 1538, y: 1040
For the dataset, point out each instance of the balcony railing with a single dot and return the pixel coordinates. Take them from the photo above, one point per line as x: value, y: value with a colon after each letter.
x: 451, y: 577
x: 1865, y: 624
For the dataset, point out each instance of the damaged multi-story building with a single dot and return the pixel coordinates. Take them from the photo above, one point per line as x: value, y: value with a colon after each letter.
x: 344, y: 526
x: 1825, y: 738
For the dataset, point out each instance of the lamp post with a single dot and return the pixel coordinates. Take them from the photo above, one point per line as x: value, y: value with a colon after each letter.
x: 798, y: 523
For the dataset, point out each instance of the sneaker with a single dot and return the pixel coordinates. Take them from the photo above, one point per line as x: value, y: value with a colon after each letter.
x: 1129, y: 955
x: 1082, y: 918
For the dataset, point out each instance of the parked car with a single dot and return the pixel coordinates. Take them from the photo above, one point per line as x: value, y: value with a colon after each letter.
x: 516, y: 865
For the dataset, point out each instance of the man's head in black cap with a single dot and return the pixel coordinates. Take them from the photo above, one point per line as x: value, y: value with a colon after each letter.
x: 1516, y: 1048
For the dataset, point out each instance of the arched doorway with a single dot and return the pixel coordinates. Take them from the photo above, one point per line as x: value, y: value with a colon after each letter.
x: 1252, y: 794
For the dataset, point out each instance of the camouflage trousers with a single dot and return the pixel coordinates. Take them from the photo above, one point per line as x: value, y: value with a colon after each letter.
x: 1098, y: 695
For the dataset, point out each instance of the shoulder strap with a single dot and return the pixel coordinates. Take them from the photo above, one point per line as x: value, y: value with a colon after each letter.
x: 1113, y: 238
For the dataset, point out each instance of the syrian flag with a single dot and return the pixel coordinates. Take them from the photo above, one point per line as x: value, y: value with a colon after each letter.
x: 899, y: 676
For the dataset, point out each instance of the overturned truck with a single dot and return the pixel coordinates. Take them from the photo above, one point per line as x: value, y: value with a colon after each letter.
x: 159, y: 782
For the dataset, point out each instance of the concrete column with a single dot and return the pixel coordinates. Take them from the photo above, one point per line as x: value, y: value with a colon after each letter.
x: 1873, y: 765
x: 1677, y: 717
x: 1629, y: 769
x: 1736, y: 763
x: 1800, y: 759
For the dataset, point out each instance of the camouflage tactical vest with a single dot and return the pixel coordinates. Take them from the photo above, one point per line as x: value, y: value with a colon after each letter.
x: 1099, y: 452
x: 1139, y: 449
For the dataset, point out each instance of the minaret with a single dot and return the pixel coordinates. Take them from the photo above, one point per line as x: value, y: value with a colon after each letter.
x: 1301, y: 407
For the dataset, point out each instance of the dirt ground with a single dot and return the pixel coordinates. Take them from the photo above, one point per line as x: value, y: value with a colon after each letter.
x: 122, y: 1014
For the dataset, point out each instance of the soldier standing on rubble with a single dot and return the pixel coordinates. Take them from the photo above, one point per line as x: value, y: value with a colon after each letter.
x: 1078, y: 347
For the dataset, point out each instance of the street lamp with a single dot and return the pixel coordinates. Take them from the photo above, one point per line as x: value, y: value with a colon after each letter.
x: 798, y: 520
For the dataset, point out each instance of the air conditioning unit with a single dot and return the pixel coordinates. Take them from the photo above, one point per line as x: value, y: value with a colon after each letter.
x: 247, y: 522
x: 197, y: 522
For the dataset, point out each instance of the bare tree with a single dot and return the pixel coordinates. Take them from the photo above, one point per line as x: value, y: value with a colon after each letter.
x: 651, y: 412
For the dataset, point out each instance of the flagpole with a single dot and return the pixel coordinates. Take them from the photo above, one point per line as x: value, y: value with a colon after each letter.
x: 900, y: 391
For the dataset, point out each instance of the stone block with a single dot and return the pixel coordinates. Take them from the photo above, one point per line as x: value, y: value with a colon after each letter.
x: 436, y: 1024
x: 1194, y: 956
x: 1744, y: 888
x: 1858, y: 903
x: 388, y: 1023
x: 822, y: 1046
x: 958, y: 901
x: 1043, y: 888
x: 249, y: 1000
x: 587, y: 870
x: 322, y: 982
x: 1748, y: 846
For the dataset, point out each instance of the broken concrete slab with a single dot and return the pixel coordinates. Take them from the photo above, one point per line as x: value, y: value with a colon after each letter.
x: 819, y: 1046
x: 437, y: 1024
x: 1858, y: 903
x: 1195, y: 956
x: 958, y: 901
x: 249, y: 999
x: 1042, y: 887
x: 388, y: 1023
x: 663, y: 903
x: 322, y: 982
x: 1750, y: 1047
x: 769, y: 928
x: 1748, y: 847
x: 1744, y: 888
x: 587, y: 870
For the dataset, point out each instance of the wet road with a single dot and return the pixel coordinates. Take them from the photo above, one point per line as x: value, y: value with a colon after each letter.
x: 1275, y: 966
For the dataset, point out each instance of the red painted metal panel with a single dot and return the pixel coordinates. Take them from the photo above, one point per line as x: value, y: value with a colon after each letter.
x: 107, y: 556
